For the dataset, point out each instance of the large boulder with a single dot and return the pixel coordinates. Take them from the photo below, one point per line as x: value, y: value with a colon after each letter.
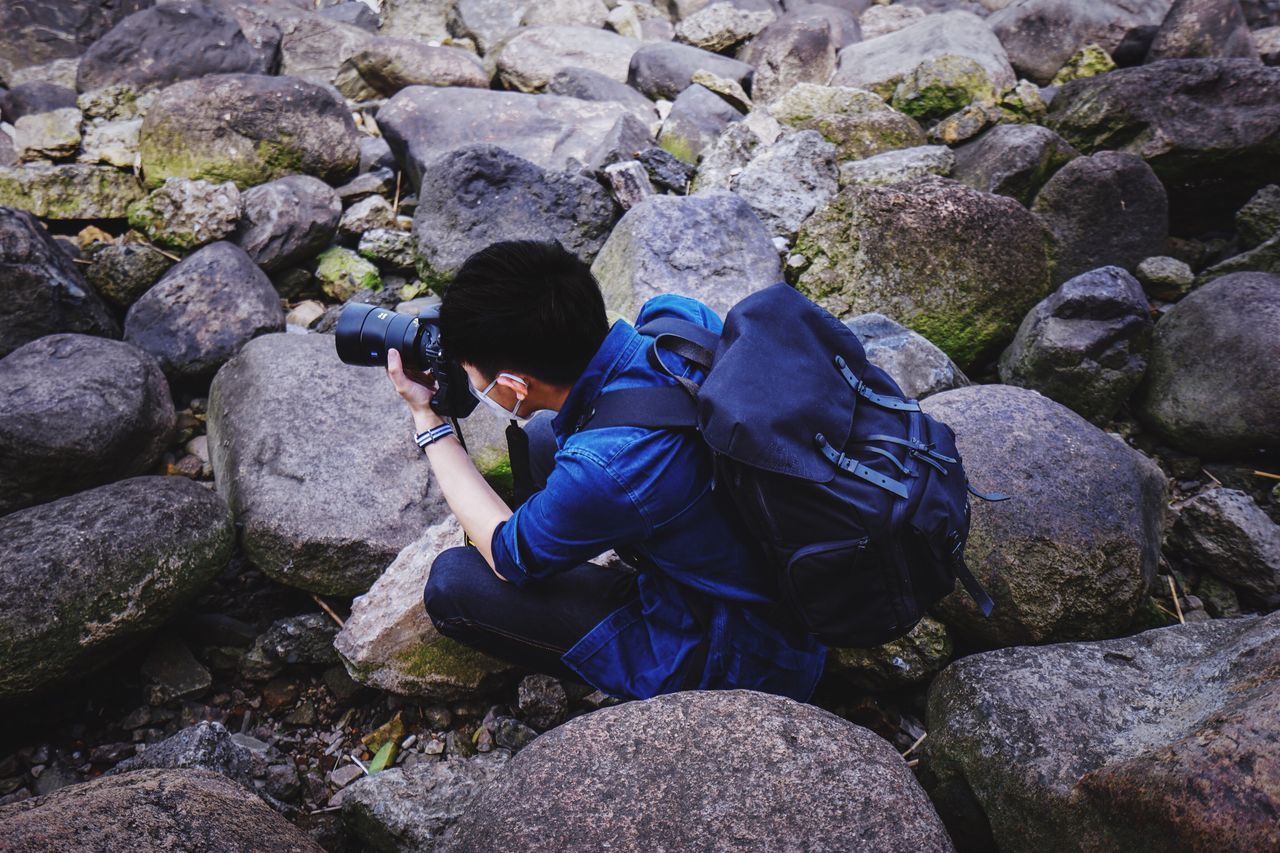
x: 151, y: 809
x: 77, y: 411
x: 1012, y: 159
x: 959, y: 266
x: 1210, y: 128
x: 856, y: 121
x: 690, y: 770
x: 1213, y: 384
x: 315, y: 47
x: 697, y: 118
x: 919, y: 367
x: 202, y: 311
x: 317, y: 460
x: 1073, y: 551
x: 389, y: 642
x: 73, y: 191
x: 799, y: 47
x: 710, y: 246
x: 787, y: 181
x: 249, y: 129
x: 41, y: 288
x: 531, y: 56
x: 1203, y: 28
x: 86, y: 575
x: 287, y: 222
x: 480, y: 194
x: 1161, y: 741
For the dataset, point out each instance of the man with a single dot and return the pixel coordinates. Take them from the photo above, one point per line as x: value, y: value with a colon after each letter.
x: 527, y: 322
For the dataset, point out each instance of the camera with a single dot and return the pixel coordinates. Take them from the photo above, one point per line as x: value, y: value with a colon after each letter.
x: 365, y: 333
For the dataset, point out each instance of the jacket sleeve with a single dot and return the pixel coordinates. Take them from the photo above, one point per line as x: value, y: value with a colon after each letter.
x: 583, y: 510
x: 681, y: 307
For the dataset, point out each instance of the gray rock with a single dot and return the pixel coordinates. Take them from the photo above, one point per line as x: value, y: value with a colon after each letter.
x: 1267, y: 42
x: 587, y: 13
x: 588, y: 85
x: 42, y: 290
x: 305, y: 640
x: 389, y: 247
x: 1084, y: 345
x: 1105, y: 209
x: 638, y: 19
x: 172, y: 672
x: 476, y: 195
x: 34, y: 98
x: 529, y: 57
x: 315, y: 48
x: 77, y: 411
x: 385, y: 66
x: 629, y: 182
x: 1224, y: 532
x: 1203, y: 28
x: 48, y: 135
x: 202, y: 311
x: 1144, y: 743
x: 74, y: 191
x: 190, y: 809
x: 901, y: 165
x: 879, y: 20
x: 1265, y: 257
x: 789, y: 180
x: 858, y: 122
x: 711, y: 246
x: 666, y: 169
x: 1211, y: 389
x: 294, y: 437
x: 485, y: 21
x: 424, y: 20
x: 1164, y: 277
x: 33, y: 33
x: 366, y: 215
x: 1012, y: 159
x: 719, y: 26
x: 723, y: 160
x: 542, y: 700
x: 664, y: 70
x: 912, y: 659
x: 355, y: 13
x: 183, y: 214
x: 114, y: 143
x: 129, y: 554
x: 799, y: 47
x: 122, y: 272
x: 1259, y: 220
x: 287, y: 221
x: 697, y: 118
x: 688, y: 770
x: 919, y: 367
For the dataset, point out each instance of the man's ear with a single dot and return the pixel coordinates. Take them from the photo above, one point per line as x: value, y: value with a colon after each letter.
x: 521, y: 389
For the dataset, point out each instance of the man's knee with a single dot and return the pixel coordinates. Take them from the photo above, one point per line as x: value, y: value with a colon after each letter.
x: 445, y: 591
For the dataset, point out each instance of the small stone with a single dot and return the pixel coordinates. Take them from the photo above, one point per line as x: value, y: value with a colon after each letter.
x: 890, y: 167
x: 1089, y: 61
x: 459, y: 744
x: 630, y: 183
x: 279, y: 693
x: 720, y: 26
x: 964, y: 124
x: 389, y: 247
x: 542, y: 701
x: 111, y: 753
x: 434, y: 746
x: 1165, y: 278
x: 366, y: 215
x: 173, y: 671
x: 112, y: 142
x: 510, y: 733
x: 305, y: 313
x: 730, y: 90
x: 343, y: 273
x: 343, y: 776
x: 665, y: 169
x: 184, y: 214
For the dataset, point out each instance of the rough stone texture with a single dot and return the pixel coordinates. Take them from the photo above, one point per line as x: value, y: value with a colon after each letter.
x: 690, y: 770
x: 1071, y: 554
x: 531, y: 56
x: 1012, y: 159
x: 205, y: 746
x: 305, y: 640
x: 858, y: 122
x: 123, y: 271
x: 589, y: 13
x: 202, y: 311
x: 799, y: 47
x: 1224, y: 532
x: 485, y: 21
x: 316, y: 459
x: 69, y: 191
x: 1203, y: 28
x: 183, y: 214
x: 1105, y: 209
x: 1265, y: 257
x: 174, y: 809
x: 959, y: 266
x: 86, y: 575
x: 912, y: 659
x: 724, y: 159
x: 882, y: 20
x: 1210, y: 128
x: 1162, y: 741
x: 480, y: 194
x: 719, y: 26
x: 1259, y: 220
x: 315, y: 48
x: 114, y: 143
x: 1164, y: 277
x: 710, y: 246
x: 1084, y: 345
x: 789, y: 180
x: 34, y: 32
x: 416, y: 808
x: 664, y: 70
x: 48, y: 135
x: 249, y: 129
x: 588, y: 85
x: 77, y: 411
x: 696, y: 120
x: 35, y: 97
x: 41, y: 289
x: 919, y: 367
x: 342, y: 273
x: 901, y: 165
x: 387, y: 65
x: 286, y: 222
x: 390, y: 643
x: 551, y: 131
x: 1213, y: 389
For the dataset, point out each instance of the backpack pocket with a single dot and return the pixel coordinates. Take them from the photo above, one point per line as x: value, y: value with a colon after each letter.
x: 838, y: 590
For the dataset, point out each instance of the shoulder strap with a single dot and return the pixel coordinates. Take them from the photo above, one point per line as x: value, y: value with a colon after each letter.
x: 666, y: 407
x: 684, y: 338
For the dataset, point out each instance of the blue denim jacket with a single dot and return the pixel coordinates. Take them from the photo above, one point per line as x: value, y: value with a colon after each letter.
x: 652, y: 490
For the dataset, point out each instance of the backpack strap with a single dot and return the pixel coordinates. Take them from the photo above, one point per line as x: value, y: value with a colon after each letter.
x: 658, y: 407
x: 684, y: 338
x: 971, y: 585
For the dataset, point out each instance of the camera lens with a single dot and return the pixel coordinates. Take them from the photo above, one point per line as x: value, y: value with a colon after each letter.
x: 364, y: 333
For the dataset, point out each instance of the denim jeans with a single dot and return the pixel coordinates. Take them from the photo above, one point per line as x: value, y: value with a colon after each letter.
x: 530, y: 626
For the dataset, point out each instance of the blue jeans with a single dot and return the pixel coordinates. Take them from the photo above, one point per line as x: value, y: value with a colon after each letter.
x: 531, y: 626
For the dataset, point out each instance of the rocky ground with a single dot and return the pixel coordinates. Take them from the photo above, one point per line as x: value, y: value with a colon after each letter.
x: 1055, y: 223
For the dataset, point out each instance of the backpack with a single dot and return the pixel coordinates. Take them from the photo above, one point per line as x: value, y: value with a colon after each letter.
x: 857, y: 499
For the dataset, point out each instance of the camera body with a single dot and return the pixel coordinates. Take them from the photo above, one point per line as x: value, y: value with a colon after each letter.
x: 365, y: 333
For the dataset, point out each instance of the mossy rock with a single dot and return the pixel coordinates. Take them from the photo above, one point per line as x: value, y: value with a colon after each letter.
x: 343, y: 273
x: 942, y: 85
x: 858, y: 122
x: 69, y: 191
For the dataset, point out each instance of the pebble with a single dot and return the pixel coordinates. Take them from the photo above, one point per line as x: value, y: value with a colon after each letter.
x: 345, y: 775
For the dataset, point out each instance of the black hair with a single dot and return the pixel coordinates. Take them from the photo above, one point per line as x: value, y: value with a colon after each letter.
x: 524, y: 305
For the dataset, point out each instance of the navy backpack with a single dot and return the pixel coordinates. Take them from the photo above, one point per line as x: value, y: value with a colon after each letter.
x: 858, y: 499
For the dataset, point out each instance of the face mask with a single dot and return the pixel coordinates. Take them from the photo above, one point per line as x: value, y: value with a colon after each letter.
x: 493, y: 405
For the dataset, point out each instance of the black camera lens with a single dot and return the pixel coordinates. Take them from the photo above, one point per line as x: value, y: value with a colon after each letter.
x: 365, y: 332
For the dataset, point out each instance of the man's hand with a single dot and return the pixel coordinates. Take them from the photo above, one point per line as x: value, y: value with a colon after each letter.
x: 417, y: 388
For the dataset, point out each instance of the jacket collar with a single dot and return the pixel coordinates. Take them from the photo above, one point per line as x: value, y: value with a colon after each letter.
x: 617, y: 346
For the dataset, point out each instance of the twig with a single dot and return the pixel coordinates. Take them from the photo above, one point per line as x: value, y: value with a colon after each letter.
x: 1210, y: 476
x: 359, y: 764
x: 327, y: 609
x: 913, y: 762
x: 81, y: 261
x: 396, y: 205
x: 1268, y: 475
x: 325, y: 809
x: 913, y: 746
x: 1173, y: 590
x: 171, y: 257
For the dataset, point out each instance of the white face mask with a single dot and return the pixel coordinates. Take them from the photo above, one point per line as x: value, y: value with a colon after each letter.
x: 493, y: 405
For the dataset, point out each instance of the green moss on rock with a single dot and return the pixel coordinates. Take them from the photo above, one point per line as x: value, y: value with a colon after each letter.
x: 343, y: 273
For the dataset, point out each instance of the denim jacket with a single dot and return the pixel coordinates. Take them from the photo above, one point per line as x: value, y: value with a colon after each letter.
x: 651, y: 490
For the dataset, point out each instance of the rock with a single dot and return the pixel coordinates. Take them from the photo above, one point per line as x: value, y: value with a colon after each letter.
x: 641, y: 21
x: 919, y: 367
x: 1144, y: 743
x: 1209, y: 128
x: 1088, y: 61
x: 169, y: 42
x: 204, y: 746
x: 342, y: 273
x: 129, y: 554
x: 479, y: 194
x: 629, y: 182
x: 697, y: 118
x: 587, y: 13
x: 315, y: 48
x: 389, y: 247
x: 666, y: 169
x: 959, y: 266
x: 510, y: 733
x: 189, y: 809
x: 1223, y: 532
x: 249, y: 129
x: 588, y: 85
x: 878, y: 21
x: 366, y: 215
x: 1012, y: 159
x: 900, y: 165
x: 1259, y: 220
x: 1041, y: 35
x: 683, y: 770
x: 68, y: 191
x: 1165, y: 278
x: 786, y: 182
x: 664, y: 70
x: 1264, y: 257
x: 114, y: 143
x: 202, y: 311
x: 1071, y: 554
x: 1267, y: 43
x: 799, y: 47
x: 173, y: 672
x: 930, y: 68
x: 529, y: 57
x: 33, y: 33
x: 550, y: 131
x: 415, y: 808
x: 36, y: 97
x: 485, y: 21
x: 858, y: 122
x: 722, y: 161
x: 1211, y: 390
x: 287, y: 221
x: 542, y: 700
x: 77, y: 411
x: 305, y: 640
x: 720, y: 26
x: 1105, y: 209
x: 123, y: 271
x: 353, y: 12
x: 183, y: 214
x: 912, y: 659
x: 293, y: 436
x: 710, y: 246
x: 386, y: 65
x: 47, y: 135
x: 1203, y: 28
x: 1084, y: 345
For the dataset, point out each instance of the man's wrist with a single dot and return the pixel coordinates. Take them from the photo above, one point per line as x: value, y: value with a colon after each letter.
x: 425, y: 419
